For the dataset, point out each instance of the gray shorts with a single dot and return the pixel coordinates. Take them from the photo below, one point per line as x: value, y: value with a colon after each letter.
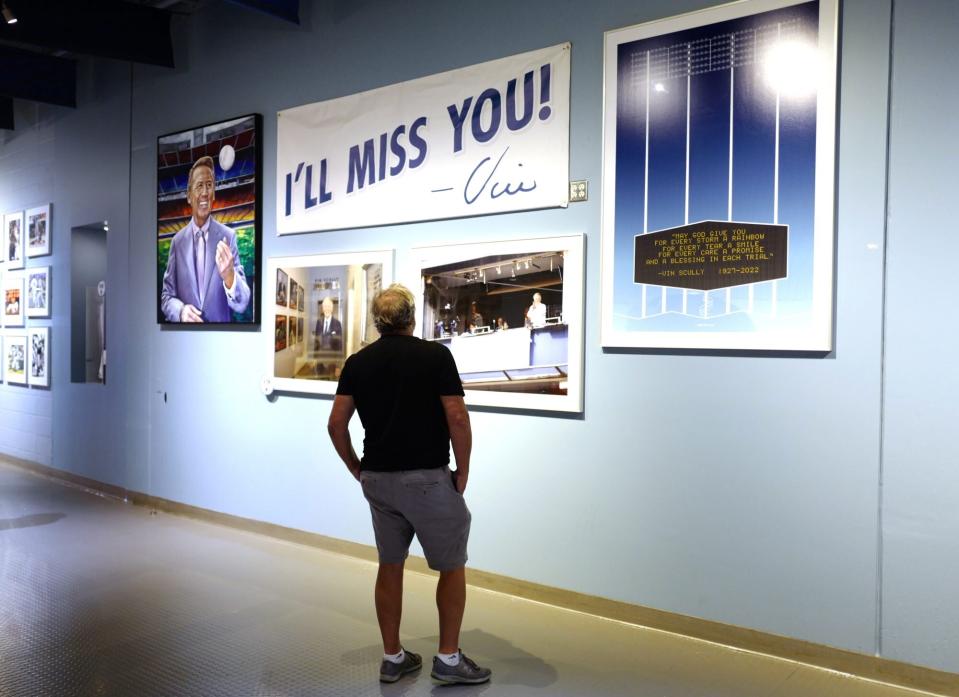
x: 423, y: 502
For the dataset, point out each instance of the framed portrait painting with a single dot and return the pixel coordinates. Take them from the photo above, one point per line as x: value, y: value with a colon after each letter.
x: 511, y: 313
x: 336, y: 290
x: 38, y: 231
x: 718, y: 175
x: 209, y: 181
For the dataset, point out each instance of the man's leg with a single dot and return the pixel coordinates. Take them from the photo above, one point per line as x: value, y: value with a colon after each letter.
x: 389, y: 604
x: 451, y: 602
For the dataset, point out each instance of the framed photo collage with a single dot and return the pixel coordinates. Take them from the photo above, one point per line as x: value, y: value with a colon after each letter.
x: 26, y: 294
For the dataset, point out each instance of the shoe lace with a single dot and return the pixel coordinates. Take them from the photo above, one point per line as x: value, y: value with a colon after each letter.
x: 469, y: 661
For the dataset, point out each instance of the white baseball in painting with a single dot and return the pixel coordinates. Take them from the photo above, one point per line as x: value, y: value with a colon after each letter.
x: 227, y: 157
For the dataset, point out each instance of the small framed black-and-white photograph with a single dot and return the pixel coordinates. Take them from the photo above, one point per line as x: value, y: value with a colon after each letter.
x: 38, y: 231
x: 37, y: 289
x: 13, y: 240
x: 39, y: 356
x: 15, y: 359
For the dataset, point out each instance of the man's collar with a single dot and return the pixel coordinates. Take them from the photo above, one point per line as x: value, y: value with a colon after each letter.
x: 205, y: 228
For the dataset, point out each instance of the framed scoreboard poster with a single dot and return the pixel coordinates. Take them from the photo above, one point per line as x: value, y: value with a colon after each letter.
x: 718, y: 170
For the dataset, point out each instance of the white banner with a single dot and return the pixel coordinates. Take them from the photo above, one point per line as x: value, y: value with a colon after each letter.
x: 489, y: 138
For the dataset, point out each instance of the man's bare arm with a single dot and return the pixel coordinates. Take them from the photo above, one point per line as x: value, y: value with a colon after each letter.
x: 338, y: 428
x: 461, y: 436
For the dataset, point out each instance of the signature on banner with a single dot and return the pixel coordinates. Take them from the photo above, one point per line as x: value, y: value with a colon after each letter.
x: 481, y: 181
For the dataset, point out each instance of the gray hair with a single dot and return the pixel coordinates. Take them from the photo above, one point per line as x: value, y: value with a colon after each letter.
x: 394, y: 309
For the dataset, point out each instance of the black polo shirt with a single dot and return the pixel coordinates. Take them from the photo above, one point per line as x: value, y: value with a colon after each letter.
x: 396, y: 383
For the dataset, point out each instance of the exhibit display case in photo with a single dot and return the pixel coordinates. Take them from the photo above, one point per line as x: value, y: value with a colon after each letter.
x: 511, y: 313
x: 323, y: 311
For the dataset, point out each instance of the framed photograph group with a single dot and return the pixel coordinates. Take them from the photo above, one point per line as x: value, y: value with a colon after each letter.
x: 718, y: 142
x: 320, y: 312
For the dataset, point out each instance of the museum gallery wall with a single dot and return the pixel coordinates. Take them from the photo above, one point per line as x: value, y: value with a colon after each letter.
x: 668, y: 415
x: 717, y: 204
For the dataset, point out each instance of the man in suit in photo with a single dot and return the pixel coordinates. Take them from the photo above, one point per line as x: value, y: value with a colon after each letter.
x: 329, y: 330
x: 204, y: 279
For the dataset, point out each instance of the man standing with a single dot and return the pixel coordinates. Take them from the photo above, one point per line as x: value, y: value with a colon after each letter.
x: 328, y: 330
x: 410, y: 400
x: 536, y: 314
x: 192, y: 292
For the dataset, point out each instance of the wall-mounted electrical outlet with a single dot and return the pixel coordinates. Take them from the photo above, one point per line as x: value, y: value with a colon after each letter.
x: 577, y: 191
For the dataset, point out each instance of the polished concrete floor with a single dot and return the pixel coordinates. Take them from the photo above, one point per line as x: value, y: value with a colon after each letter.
x: 102, y: 598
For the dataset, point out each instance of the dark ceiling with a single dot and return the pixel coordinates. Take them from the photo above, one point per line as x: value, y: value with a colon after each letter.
x: 38, y: 53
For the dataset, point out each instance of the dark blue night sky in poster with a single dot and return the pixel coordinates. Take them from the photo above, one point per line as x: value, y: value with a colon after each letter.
x: 699, y: 137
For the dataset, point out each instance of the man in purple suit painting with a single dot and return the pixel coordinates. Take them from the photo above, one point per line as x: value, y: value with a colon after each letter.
x: 204, y: 279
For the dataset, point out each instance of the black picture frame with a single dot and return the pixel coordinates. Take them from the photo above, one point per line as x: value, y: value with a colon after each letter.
x: 236, y: 147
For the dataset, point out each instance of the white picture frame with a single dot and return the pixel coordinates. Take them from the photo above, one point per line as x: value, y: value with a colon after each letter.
x: 13, y: 300
x: 739, y: 253
x: 39, y: 231
x: 37, y: 291
x: 15, y: 358
x: 312, y: 362
x: 11, y: 242
x: 38, y: 349
x: 520, y: 364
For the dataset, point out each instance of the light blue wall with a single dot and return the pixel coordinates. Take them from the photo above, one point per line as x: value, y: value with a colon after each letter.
x: 739, y: 489
x: 26, y: 180
x: 921, y: 452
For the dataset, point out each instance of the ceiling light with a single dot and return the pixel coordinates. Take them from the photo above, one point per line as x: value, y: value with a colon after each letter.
x: 8, y: 15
